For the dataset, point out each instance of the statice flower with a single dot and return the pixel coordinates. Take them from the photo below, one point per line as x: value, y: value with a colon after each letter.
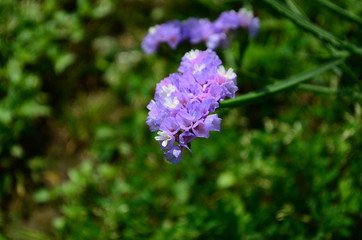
x: 232, y: 20
x: 228, y: 20
x: 169, y: 33
x: 197, y: 30
x: 247, y: 20
x: 184, y: 102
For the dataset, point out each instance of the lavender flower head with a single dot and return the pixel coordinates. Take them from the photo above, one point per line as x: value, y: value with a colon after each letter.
x: 184, y: 102
x: 196, y: 30
x: 169, y: 33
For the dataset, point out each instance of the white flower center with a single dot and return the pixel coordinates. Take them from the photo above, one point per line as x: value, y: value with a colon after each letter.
x: 229, y: 74
x: 192, y: 54
x: 198, y: 68
x: 171, y: 103
x: 167, y: 90
x: 176, y: 152
x: 246, y: 12
x: 246, y: 17
x: 152, y: 30
x: 164, y: 137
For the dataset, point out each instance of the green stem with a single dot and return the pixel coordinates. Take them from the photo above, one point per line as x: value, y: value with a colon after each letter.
x: 337, y: 9
x: 327, y: 90
x: 295, y: 8
x: 279, y: 86
x: 253, y: 77
x: 312, y: 28
x: 242, y: 47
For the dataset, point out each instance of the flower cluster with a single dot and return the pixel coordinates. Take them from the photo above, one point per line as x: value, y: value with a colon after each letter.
x: 197, y: 30
x: 183, y: 101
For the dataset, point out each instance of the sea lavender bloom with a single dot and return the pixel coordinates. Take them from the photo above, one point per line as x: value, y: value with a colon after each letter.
x: 196, y: 60
x: 169, y: 32
x: 232, y: 20
x: 228, y: 20
x: 200, y: 30
x: 196, y: 30
x: 253, y: 27
x: 247, y: 20
x: 182, y: 108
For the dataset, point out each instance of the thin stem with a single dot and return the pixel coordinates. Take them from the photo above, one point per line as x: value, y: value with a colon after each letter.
x: 337, y: 9
x: 295, y: 8
x: 242, y: 47
x: 279, y: 86
x: 327, y: 90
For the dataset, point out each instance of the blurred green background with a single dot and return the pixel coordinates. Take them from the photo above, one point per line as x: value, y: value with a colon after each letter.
x: 77, y: 160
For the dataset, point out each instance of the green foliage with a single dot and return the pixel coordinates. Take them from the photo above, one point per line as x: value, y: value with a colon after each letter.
x: 280, y: 181
x: 77, y: 160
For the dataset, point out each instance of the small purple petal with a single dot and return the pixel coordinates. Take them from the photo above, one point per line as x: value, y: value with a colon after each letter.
x: 213, y: 122
x: 170, y: 33
x: 200, y: 129
x: 184, y: 119
x: 201, y: 30
x: 229, y: 89
x: 155, y: 115
x: 216, y: 40
x: 215, y: 91
x: 254, y: 27
x: 194, y: 109
x: 169, y: 124
x: 185, y: 138
x: 150, y: 44
x: 165, y: 139
x: 227, y: 20
x: 174, y: 154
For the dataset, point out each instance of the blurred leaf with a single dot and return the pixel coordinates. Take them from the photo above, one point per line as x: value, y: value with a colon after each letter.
x: 42, y: 196
x: 5, y: 115
x: 182, y: 191
x: 64, y: 61
x: 226, y: 180
x: 17, y: 151
x: 59, y: 223
x: 14, y: 70
x: 33, y: 109
x: 25, y: 233
x: 105, y: 132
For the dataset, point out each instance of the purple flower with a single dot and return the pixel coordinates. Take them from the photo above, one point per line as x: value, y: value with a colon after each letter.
x: 181, y: 109
x: 253, y: 27
x: 228, y: 20
x: 195, y: 61
x: 169, y: 125
x: 174, y: 154
x: 201, y: 30
x: 246, y: 17
x: 165, y: 138
x: 196, y: 30
x: 150, y: 42
x: 216, y: 40
x: 213, y: 122
x: 185, y: 120
x: 185, y: 138
x: 169, y: 33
